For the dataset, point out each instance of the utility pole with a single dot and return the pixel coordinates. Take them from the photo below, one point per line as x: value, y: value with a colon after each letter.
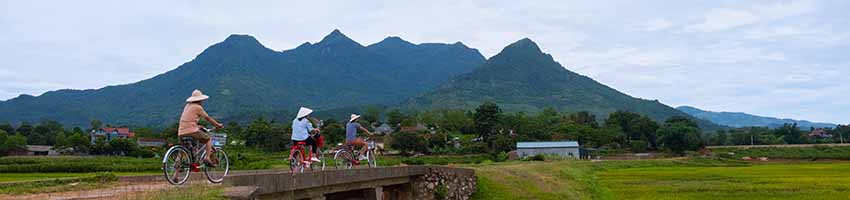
x: 752, y: 142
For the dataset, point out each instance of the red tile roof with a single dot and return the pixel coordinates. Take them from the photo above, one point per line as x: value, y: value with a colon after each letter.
x: 121, y: 131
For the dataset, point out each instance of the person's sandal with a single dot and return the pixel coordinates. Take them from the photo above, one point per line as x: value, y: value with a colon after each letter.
x: 210, y: 163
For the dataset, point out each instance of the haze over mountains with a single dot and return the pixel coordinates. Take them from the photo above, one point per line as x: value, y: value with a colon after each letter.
x: 246, y: 80
x: 739, y: 119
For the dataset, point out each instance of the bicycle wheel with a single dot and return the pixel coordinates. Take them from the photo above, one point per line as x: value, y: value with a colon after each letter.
x: 341, y: 161
x: 321, y: 155
x: 373, y: 162
x: 175, y: 165
x: 295, y: 161
x: 216, y: 174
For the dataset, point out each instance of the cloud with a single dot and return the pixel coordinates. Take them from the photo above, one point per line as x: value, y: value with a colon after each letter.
x: 721, y: 19
x: 654, y: 25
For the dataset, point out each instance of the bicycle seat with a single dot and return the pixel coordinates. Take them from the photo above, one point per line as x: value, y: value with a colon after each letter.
x: 301, y: 143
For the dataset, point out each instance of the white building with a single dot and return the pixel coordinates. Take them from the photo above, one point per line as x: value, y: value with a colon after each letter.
x: 562, y: 148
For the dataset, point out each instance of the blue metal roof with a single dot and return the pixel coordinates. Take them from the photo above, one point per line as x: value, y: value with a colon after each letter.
x: 561, y: 144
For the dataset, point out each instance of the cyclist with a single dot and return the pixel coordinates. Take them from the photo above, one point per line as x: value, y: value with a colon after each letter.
x: 301, y: 128
x: 351, y: 135
x: 192, y: 113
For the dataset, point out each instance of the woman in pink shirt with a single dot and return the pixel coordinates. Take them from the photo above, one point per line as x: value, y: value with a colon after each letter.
x: 192, y: 113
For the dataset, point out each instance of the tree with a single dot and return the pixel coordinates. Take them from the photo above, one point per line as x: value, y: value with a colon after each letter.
x: 234, y: 131
x: 719, y: 138
x: 145, y: 132
x: 80, y: 142
x: 8, y: 128
x: 395, y: 117
x: 455, y: 121
x: 841, y: 132
x: 486, y: 119
x: 334, y: 132
x: 121, y: 146
x: 257, y: 132
x: 644, y: 129
x: 430, y: 118
x: 791, y: 134
x: 584, y: 118
x: 624, y: 120
x: 501, y: 143
x: 25, y: 129
x: 372, y: 115
x: 679, y: 136
x: 101, y: 147
x: 62, y: 143
x: 682, y: 119
x: 10, y: 142
x: 408, y: 142
x: 95, y: 124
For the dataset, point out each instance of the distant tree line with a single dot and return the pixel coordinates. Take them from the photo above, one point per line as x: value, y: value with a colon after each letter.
x: 485, y: 129
x: 785, y: 134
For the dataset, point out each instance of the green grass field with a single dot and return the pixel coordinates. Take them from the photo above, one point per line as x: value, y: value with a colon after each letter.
x: 764, y: 181
x: 663, y: 179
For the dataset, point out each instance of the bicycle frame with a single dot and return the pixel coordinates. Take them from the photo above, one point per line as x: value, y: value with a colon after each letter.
x: 301, y: 146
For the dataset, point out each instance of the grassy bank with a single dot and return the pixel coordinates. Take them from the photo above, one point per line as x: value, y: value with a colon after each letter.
x: 537, y: 180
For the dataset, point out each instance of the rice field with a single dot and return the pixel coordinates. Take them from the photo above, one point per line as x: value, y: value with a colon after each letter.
x: 663, y: 179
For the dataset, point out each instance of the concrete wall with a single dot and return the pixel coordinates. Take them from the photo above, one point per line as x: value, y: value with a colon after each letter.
x: 565, y: 152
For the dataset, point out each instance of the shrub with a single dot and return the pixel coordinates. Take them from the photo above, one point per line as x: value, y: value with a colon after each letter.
x: 538, y: 157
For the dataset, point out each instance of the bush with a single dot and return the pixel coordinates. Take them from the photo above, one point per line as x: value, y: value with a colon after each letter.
x: 638, y: 146
x: 501, y: 157
x: 441, y: 192
x: 538, y: 157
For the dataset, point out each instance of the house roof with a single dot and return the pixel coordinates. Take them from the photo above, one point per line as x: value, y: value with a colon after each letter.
x: 560, y: 144
x: 121, y: 131
x: 151, y: 140
x: 39, y: 147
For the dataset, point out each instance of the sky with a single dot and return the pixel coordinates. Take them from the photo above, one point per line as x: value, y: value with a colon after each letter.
x: 784, y: 59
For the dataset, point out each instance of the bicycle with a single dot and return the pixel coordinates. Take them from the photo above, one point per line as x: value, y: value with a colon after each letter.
x: 186, y: 157
x: 298, y: 159
x: 345, y: 157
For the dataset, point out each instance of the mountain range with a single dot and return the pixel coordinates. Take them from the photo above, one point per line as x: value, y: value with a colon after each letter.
x: 739, y: 119
x: 523, y: 78
x: 246, y: 80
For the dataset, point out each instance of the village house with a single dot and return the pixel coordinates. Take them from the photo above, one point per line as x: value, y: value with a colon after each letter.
x: 820, y: 133
x: 36, y: 150
x: 384, y: 129
x: 567, y: 149
x: 110, y: 133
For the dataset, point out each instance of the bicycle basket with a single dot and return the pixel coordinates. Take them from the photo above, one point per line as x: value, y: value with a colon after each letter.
x: 218, y: 139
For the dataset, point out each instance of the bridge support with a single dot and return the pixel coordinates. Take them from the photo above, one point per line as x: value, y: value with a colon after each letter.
x: 410, y: 182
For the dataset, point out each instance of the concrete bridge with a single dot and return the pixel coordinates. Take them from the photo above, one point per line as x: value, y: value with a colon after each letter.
x: 407, y: 182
